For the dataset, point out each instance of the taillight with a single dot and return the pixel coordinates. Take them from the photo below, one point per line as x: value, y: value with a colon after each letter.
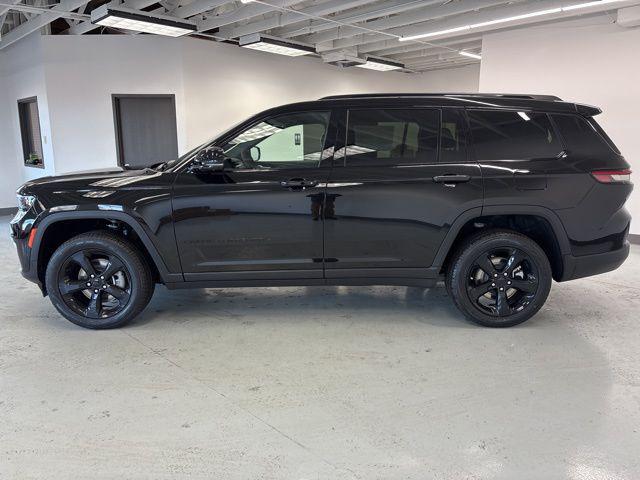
x: 612, y: 176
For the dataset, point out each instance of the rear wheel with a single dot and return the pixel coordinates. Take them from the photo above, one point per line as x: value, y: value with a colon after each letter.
x: 98, y: 280
x: 499, y: 278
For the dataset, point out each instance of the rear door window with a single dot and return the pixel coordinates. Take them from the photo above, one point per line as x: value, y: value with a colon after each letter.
x: 512, y: 135
x: 390, y: 136
x: 453, y: 136
x: 582, y: 137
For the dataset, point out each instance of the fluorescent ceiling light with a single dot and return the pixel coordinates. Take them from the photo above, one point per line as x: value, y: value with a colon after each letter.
x: 380, y: 65
x: 524, y: 116
x: 471, y: 55
x: 514, y: 18
x: 139, y: 21
x: 275, y: 45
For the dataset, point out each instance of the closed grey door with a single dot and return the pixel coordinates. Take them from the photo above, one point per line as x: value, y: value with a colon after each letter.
x: 146, y: 130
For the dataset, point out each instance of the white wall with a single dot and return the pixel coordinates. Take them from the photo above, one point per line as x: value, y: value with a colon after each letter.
x: 215, y: 85
x: 21, y: 76
x: 84, y: 71
x: 224, y: 86
x: 590, y: 61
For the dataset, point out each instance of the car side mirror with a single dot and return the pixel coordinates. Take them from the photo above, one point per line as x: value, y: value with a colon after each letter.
x: 211, y: 159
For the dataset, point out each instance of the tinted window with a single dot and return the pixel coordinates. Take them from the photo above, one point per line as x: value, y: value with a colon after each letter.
x: 505, y: 135
x: 391, y: 137
x: 581, y: 136
x: 453, y: 137
x: 293, y: 139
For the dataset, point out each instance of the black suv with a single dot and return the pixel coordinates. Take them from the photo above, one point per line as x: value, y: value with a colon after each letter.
x: 494, y: 194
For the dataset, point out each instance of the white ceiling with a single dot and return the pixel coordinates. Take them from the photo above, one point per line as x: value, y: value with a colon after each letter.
x: 349, y: 27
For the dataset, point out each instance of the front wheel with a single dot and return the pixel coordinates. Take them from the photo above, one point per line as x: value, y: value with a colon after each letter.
x: 98, y: 280
x: 499, y: 278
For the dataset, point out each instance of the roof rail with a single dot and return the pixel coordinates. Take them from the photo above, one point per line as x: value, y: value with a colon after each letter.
x: 548, y: 98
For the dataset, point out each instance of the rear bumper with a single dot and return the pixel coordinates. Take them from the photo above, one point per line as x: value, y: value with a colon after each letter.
x: 587, y: 265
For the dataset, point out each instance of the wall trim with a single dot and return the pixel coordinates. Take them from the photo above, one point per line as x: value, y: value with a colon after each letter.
x: 634, y: 238
x: 8, y: 211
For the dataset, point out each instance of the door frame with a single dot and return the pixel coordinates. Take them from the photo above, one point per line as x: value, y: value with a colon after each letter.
x: 115, y: 102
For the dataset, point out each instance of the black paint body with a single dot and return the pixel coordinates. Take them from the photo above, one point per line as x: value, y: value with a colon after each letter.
x: 390, y: 224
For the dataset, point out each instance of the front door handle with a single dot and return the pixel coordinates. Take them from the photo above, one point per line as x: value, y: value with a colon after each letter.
x: 451, y: 179
x: 298, y: 183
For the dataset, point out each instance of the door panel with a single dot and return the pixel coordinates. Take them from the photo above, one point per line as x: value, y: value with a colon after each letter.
x: 261, y: 217
x: 393, y: 217
x: 388, y: 212
x: 247, y: 221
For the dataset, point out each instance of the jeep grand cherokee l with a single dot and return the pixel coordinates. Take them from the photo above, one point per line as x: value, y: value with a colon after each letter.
x: 494, y: 194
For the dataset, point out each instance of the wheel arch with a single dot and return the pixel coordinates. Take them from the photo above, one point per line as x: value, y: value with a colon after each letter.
x: 538, y: 223
x: 74, y: 223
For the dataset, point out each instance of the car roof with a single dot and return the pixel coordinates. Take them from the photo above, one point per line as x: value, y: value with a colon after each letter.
x: 547, y: 103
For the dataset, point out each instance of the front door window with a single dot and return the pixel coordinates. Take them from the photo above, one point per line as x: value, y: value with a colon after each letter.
x: 292, y: 140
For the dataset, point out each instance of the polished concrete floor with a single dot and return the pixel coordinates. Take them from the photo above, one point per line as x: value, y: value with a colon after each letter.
x: 322, y: 383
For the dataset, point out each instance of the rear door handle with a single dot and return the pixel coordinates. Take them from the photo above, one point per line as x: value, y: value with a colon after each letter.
x: 298, y: 183
x: 451, y: 179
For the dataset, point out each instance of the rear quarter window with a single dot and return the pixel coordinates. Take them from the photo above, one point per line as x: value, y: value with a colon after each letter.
x: 512, y: 135
x: 583, y: 137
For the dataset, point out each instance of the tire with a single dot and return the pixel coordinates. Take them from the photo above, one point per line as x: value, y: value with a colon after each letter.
x: 120, y: 288
x: 508, y: 289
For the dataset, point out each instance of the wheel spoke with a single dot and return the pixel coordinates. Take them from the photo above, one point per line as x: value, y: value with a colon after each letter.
x: 502, y: 304
x: 480, y: 290
x: 118, y: 293
x: 114, y: 266
x: 94, y: 309
x: 69, y: 287
x: 515, y: 259
x: 528, y: 286
x: 485, y: 263
x: 83, y: 260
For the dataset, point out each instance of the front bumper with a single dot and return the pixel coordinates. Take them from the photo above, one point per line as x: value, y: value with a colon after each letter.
x: 587, y: 265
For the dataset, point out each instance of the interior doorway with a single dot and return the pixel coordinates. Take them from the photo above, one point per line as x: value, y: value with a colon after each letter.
x: 146, y: 130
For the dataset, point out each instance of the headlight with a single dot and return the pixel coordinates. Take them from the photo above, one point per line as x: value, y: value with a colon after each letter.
x: 25, y: 202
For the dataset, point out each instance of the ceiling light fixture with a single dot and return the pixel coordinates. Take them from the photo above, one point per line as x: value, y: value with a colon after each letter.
x: 470, y: 55
x: 380, y: 64
x: 263, y: 43
x: 497, y: 21
x: 139, y: 21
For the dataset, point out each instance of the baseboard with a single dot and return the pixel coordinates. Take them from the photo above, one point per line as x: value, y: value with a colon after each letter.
x: 634, y: 238
x: 8, y: 211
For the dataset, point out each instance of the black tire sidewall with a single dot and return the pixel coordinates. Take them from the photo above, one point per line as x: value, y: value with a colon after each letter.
x: 138, y: 276
x: 474, y: 248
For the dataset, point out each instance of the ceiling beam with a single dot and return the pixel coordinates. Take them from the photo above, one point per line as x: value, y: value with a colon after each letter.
x: 425, y: 52
x: 4, y: 9
x: 394, y: 47
x: 286, y: 18
x: 40, y: 21
x: 361, y: 15
x: 243, y: 13
x: 477, y: 17
x: 427, y: 13
x: 443, y: 66
x: 198, y: 6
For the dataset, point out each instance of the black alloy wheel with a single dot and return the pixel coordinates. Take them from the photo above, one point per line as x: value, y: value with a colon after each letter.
x: 99, y: 280
x: 499, y: 278
x: 502, y: 281
x: 95, y: 284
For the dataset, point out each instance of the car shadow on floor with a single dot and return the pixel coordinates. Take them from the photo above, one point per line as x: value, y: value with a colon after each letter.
x: 430, y: 306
